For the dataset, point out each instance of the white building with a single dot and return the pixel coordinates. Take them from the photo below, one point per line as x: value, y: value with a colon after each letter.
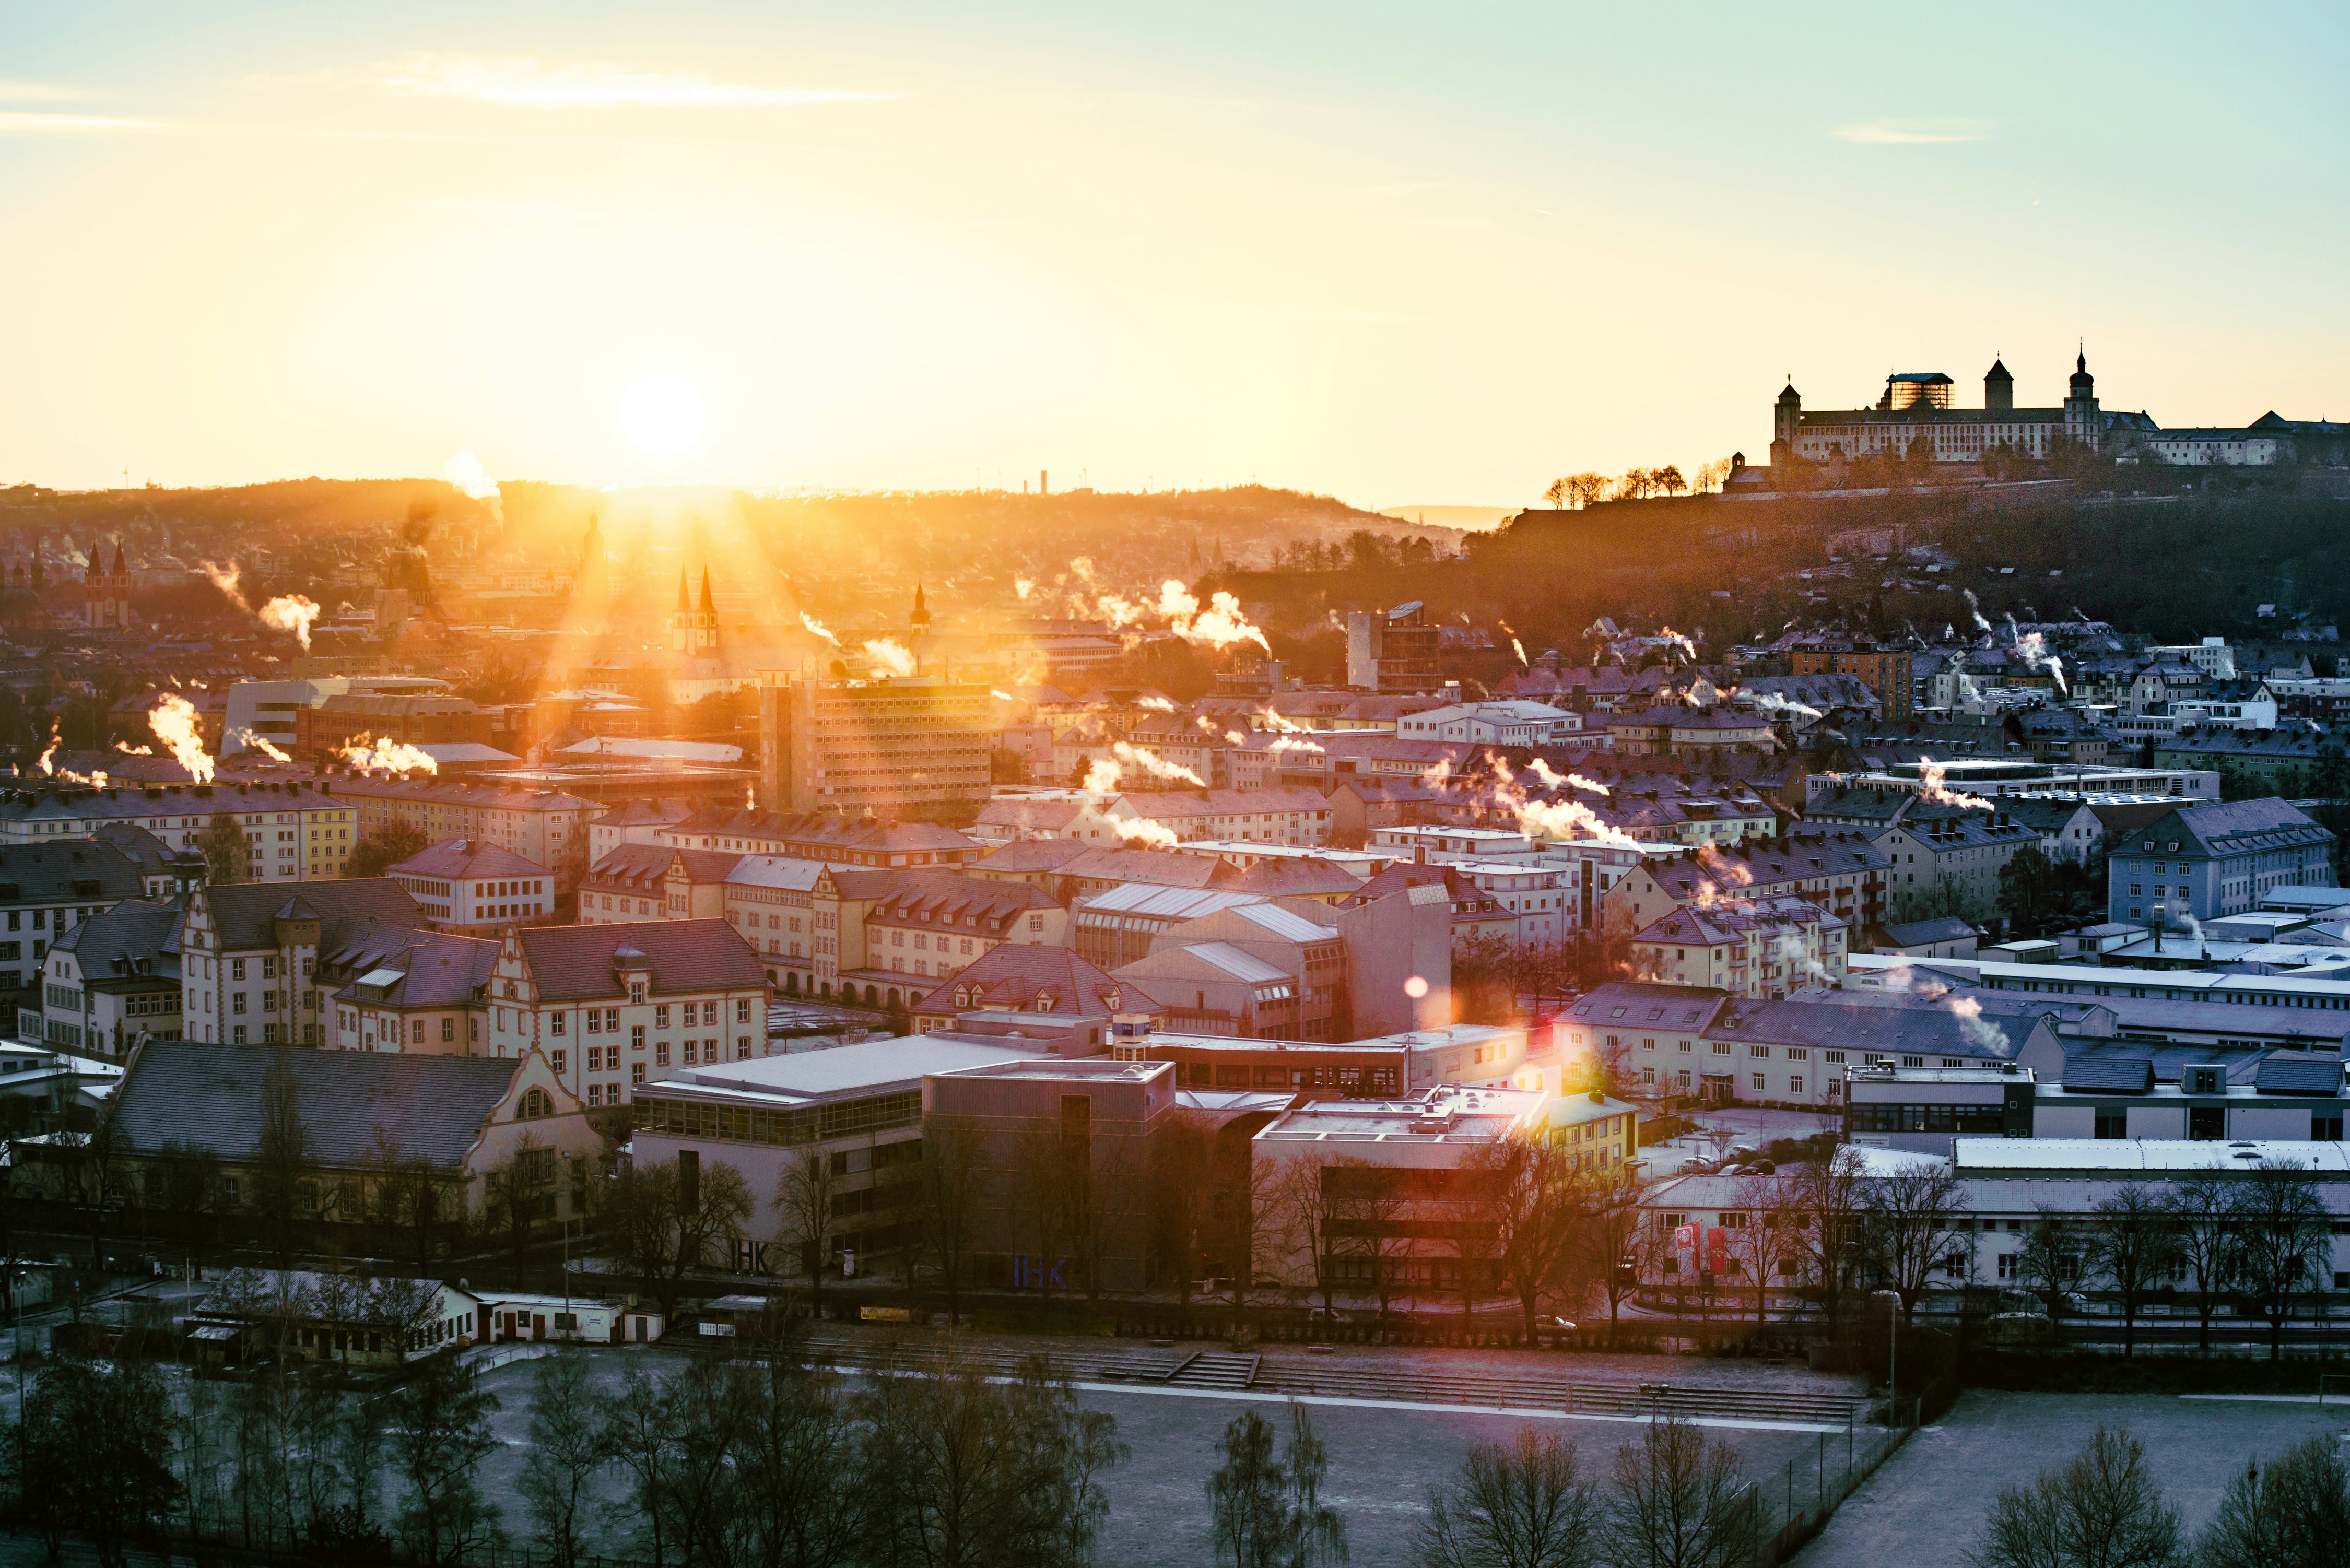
x: 1512, y: 722
x: 465, y: 886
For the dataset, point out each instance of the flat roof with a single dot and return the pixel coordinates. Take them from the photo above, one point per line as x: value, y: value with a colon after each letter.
x: 868, y: 1067
x: 2002, y: 1155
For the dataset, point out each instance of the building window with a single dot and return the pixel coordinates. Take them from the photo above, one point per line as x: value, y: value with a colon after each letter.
x: 636, y: 1036
x: 1796, y: 1084
x: 661, y: 1053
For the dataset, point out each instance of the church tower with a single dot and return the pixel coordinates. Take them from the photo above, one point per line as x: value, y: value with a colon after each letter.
x: 693, y: 629
x: 2083, y: 426
x: 106, y: 591
x: 920, y: 619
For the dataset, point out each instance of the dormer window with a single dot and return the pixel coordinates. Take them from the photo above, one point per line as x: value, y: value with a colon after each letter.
x: 1044, y: 1002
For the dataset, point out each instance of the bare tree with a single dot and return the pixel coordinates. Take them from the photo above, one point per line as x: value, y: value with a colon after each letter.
x: 2103, y: 1509
x: 1368, y: 1209
x: 806, y: 1193
x: 282, y: 1158
x: 636, y: 1431
x: 1607, y: 1231
x: 440, y: 1427
x: 2294, y: 1514
x: 954, y: 1468
x: 2053, y: 1260
x: 1524, y: 1505
x: 1524, y: 1198
x: 1772, y: 1234
x: 565, y: 1453
x: 659, y: 1226
x: 1914, y: 1234
x: 1041, y: 1194
x: 1267, y: 1511
x: 2132, y: 1243
x: 1182, y: 1161
x: 2201, y: 1206
x: 954, y: 1180
x: 2283, y: 1234
x: 1311, y: 1205
x: 1832, y: 1193
x: 1680, y: 1502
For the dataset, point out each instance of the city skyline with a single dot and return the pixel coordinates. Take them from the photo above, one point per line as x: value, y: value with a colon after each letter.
x: 925, y: 249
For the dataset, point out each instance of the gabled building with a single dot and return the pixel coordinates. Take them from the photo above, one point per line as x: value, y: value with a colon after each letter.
x: 1051, y: 1000
x: 615, y: 1006
x: 112, y: 981
x: 2215, y: 859
x: 656, y: 882
x: 464, y: 885
x: 426, y: 999
x: 1301, y: 940
x: 369, y: 1118
x: 254, y: 957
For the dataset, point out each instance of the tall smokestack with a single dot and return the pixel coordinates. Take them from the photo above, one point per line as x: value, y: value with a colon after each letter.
x: 1043, y: 488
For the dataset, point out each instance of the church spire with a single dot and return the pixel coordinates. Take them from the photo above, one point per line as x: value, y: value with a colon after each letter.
x: 684, y: 605
x: 921, y: 616
x: 707, y: 607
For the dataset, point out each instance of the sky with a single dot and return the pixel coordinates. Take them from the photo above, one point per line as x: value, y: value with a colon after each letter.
x: 1399, y: 254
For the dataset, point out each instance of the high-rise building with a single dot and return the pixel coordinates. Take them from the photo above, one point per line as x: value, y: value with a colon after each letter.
x: 912, y: 744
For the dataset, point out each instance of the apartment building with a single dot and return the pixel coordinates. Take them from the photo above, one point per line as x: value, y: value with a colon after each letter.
x: 545, y: 827
x: 296, y: 832
x: 613, y: 1007
x: 1968, y: 847
x: 1837, y: 869
x: 891, y: 746
x: 827, y: 836
x: 45, y: 889
x: 1749, y: 947
x: 1296, y: 817
x: 425, y: 999
x: 656, y: 882
x: 1884, y: 668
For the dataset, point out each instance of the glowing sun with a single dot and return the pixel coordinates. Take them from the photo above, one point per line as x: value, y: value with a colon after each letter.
x: 663, y: 414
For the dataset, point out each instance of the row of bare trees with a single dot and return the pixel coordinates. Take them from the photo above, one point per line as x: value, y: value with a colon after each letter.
x: 759, y: 1461
x: 117, y: 1451
x: 1580, y: 490
x: 1827, y: 1228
